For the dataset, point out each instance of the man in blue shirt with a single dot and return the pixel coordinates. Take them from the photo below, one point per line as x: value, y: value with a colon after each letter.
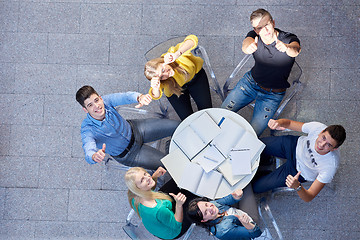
x: 104, y: 130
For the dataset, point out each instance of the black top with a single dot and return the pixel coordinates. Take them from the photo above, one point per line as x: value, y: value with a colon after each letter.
x: 272, y: 68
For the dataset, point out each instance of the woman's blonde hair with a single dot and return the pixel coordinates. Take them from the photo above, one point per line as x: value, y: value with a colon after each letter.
x: 150, y: 72
x: 137, y: 194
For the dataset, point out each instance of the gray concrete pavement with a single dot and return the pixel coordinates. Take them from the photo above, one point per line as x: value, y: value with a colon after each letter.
x: 48, y: 49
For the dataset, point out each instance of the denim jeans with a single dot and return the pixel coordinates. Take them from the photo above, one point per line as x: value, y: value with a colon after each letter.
x: 199, y: 90
x: 282, y: 147
x: 145, y: 131
x: 246, y: 91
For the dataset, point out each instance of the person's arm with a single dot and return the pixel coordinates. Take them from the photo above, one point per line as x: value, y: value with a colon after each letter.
x: 180, y: 200
x: 143, y: 99
x: 240, y: 232
x: 282, y: 124
x: 189, y: 43
x: 249, y: 45
x: 227, y: 200
x: 305, y: 194
x: 292, y: 49
x: 89, y: 145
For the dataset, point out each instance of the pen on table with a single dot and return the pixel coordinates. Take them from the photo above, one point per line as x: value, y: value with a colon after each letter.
x: 210, y: 159
x: 221, y: 121
x: 243, y: 149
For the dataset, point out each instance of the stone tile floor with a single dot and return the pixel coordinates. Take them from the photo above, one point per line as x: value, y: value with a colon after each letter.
x: 48, y: 49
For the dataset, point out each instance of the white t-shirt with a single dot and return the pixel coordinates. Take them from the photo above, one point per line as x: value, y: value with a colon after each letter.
x: 311, y: 164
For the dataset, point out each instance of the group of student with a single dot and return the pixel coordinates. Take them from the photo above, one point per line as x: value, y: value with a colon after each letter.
x: 178, y: 74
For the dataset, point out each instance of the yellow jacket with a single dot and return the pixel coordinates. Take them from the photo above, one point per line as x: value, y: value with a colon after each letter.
x: 188, y: 61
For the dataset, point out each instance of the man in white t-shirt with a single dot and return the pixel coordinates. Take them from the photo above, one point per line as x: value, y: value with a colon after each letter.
x: 314, y: 157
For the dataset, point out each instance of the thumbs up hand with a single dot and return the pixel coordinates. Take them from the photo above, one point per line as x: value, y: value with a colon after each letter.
x: 99, y: 155
x: 293, y: 181
x: 253, y: 46
x: 282, y: 47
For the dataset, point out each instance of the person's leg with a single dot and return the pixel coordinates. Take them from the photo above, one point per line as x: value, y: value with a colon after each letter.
x: 182, y: 104
x: 199, y: 90
x: 283, y: 147
x: 265, y: 107
x: 153, y: 129
x: 242, y: 94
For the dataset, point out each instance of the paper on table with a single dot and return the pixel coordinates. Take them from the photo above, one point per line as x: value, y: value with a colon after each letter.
x: 191, y: 177
x: 248, y: 140
x: 240, y: 161
x: 209, y: 158
x: 194, y: 137
x: 175, y: 163
x: 231, y: 132
x: 209, y: 184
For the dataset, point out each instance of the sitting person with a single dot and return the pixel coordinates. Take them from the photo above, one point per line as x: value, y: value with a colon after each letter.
x: 314, y: 157
x: 180, y: 74
x: 104, y: 130
x: 222, y: 220
x: 156, y: 209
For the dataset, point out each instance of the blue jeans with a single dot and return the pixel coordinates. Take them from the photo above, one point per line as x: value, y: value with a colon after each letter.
x: 282, y: 147
x: 145, y: 131
x: 246, y: 91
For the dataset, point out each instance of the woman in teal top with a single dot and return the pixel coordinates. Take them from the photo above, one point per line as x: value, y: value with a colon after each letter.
x: 155, y: 208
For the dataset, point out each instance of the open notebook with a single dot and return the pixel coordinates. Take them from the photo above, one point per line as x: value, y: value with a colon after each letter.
x: 191, y: 176
x: 194, y: 137
x: 241, y: 149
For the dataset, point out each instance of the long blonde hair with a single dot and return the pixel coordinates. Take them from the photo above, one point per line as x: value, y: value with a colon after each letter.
x: 150, y: 72
x: 137, y: 194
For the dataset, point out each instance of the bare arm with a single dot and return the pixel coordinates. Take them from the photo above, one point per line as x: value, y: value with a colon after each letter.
x: 171, y: 57
x: 283, y: 123
x: 249, y: 45
x: 180, y: 200
x: 293, y: 49
x: 309, y: 194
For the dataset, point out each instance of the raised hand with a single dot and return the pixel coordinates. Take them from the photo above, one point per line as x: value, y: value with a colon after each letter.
x: 159, y: 172
x: 179, y: 198
x: 170, y: 57
x: 237, y: 194
x: 245, y: 221
x: 275, y: 125
x: 293, y: 181
x: 282, y: 47
x: 144, y: 99
x: 99, y: 155
x: 155, y: 83
x: 253, y: 46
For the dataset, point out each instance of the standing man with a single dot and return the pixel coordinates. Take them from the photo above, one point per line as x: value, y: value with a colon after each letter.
x: 314, y: 157
x: 274, y: 52
x: 105, y: 131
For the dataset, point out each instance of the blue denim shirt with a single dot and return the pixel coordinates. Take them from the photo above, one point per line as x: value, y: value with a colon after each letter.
x: 230, y: 227
x: 114, y: 130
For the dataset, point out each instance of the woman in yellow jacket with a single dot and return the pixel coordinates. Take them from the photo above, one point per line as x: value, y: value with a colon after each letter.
x: 179, y: 74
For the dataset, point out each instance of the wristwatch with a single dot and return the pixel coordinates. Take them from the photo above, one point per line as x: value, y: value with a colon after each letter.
x: 298, y: 188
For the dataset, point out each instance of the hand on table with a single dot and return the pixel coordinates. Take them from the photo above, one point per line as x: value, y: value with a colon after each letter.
x: 99, y: 155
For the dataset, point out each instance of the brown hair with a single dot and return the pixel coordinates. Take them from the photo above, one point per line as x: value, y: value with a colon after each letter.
x: 338, y: 133
x: 150, y: 72
x: 83, y: 93
x: 260, y: 13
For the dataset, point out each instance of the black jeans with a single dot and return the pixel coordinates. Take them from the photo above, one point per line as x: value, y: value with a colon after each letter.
x: 199, y: 90
x: 171, y: 187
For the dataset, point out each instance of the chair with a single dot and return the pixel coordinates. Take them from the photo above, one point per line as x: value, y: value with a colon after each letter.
x: 200, y: 51
x: 294, y: 79
x: 136, y: 230
x: 269, y: 231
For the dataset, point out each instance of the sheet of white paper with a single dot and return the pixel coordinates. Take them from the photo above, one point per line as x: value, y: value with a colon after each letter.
x: 189, y: 142
x: 226, y: 169
x: 190, y: 179
x: 240, y: 161
x: 205, y: 127
x: 175, y: 163
x: 230, y: 134
x: 251, y: 142
x: 209, y: 184
x: 209, y: 158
